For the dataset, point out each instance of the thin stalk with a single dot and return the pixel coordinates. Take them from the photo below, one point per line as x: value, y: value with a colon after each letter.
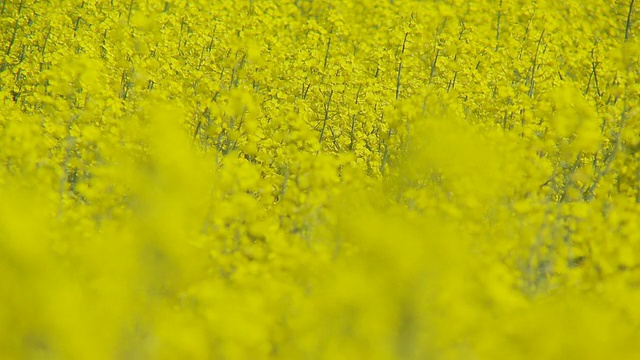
x: 129, y: 14
x: 433, y: 66
x: 385, y: 156
x: 13, y: 36
x: 626, y: 30
x: 326, y: 116
x: 399, y: 77
x: 352, y: 133
x: 335, y: 138
x: 594, y: 65
x: 353, y: 120
x: 535, y: 64
x: 326, y: 54
x: 46, y: 39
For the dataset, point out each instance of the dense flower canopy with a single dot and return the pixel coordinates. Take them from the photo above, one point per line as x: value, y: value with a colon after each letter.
x: 326, y: 179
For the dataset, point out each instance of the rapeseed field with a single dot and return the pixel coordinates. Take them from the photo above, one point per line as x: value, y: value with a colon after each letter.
x: 319, y: 179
